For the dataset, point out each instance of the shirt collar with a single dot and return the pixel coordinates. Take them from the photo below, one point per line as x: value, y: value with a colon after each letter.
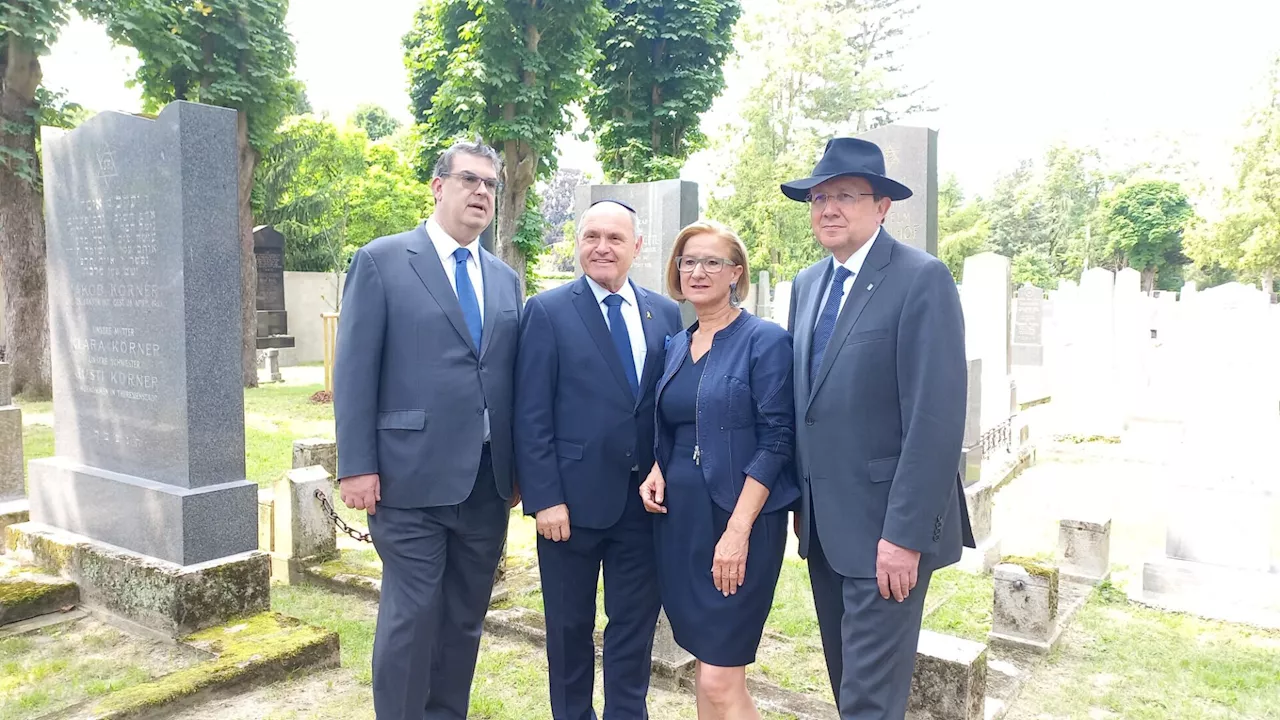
x: 445, y: 244
x: 855, y: 261
x: 627, y: 292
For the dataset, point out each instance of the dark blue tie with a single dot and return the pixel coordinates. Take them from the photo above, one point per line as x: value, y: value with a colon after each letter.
x: 467, y: 295
x: 826, y: 326
x: 622, y: 340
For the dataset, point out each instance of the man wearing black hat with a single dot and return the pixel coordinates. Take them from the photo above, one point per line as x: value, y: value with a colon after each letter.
x: 880, y: 380
x: 590, y: 355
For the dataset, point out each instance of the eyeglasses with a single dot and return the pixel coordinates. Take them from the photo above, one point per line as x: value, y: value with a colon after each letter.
x: 471, y: 181
x: 819, y: 200
x: 712, y: 265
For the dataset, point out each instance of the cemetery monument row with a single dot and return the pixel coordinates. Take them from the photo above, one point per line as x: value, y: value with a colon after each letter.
x: 144, y: 272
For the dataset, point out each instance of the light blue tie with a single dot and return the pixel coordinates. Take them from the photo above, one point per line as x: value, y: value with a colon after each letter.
x: 622, y: 340
x: 467, y: 295
x: 826, y: 326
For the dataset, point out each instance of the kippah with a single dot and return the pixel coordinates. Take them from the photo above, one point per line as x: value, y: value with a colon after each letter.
x: 615, y: 202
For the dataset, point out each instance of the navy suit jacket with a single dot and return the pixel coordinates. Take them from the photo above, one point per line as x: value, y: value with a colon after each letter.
x: 410, y: 387
x: 878, y: 433
x: 579, y: 428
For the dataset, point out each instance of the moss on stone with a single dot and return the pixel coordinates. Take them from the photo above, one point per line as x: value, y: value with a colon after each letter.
x: 242, y: 650
x: 332, y: 569
x: 1040, y: 569
x: 25, y: 592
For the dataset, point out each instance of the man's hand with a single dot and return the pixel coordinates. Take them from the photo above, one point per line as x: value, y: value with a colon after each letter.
x: 361, y: 492
x: 515, y: 495
x: 896, y: 570
x: 653, y: 490
x: 553, y: 523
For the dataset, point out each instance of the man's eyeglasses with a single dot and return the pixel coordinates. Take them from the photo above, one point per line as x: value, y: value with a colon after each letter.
x: 820, y: 200
x: 712, y: 265
x: 471, y: 181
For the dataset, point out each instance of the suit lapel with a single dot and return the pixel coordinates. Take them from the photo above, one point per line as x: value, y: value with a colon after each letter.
x: 864, y: 286
x: 491, y: 309
x: 653, y: 339
x: 585, y: 302
x: 426, y: 263
x: 806, y: 316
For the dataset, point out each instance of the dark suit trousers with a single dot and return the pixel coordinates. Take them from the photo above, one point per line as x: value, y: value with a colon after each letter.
x: 570, y: 571
x: 869, y: 642
x: 438, y: 566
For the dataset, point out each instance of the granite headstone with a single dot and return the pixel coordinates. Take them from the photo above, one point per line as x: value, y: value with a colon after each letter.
x: 273, y: 321
x: 1028, y: 326
x: 144, y: 307
x: 911, y: 158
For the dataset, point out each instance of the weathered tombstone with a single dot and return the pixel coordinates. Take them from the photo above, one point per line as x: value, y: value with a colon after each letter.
x: 13, y: 493
x: 911, y: 157
x: 1028, y: 327
x: 764, y: 304
x: 662, y: 208
x: 950, y: 679
x: 273, y: 321
x: 1025, y: 609
x: 972, y: 444
x: 144, y: 307
x: 1084, y: 549
x: 986, y: 299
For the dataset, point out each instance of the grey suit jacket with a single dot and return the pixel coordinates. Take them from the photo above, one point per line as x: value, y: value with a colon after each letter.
x: 878, y: 434
x: 410, y: 387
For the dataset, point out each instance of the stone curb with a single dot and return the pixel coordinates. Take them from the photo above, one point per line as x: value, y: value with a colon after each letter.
x: 23, y: 597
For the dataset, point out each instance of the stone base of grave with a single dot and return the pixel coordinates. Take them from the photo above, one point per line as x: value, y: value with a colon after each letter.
x: 175, y: 600
x: 13, y: 512
x: 1019, y: 643
x: 179, y: 525
x: 24, y: 596
x: 1213, y: 591
x: 950, y: 679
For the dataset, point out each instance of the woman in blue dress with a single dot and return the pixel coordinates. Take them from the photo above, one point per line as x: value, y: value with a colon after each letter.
x: 723, y: 479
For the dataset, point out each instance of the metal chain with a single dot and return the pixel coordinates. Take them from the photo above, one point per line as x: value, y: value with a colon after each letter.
x: 339, y: 522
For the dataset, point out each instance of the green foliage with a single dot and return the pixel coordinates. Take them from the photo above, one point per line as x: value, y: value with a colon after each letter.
x: 528, y: 240
x: 232, y: 53
x: 806, y: 93
x: 32, y: 25
x: 505, y: 71
x: 1144, y: 221
x: 330, y: 191
x: 1033, y: 267
x: 661, y: 70
x: 954, y: 248
x: 877, y: 31
x: 376, y: 122
x: 28, y: 28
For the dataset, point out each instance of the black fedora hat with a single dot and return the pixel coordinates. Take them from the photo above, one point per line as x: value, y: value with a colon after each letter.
x: 849, y: 156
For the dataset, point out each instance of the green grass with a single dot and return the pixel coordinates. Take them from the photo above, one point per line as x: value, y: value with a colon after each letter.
x: 966, y: 612
x: 1122, y: 660
x: 353, y: 619
x: 59, y: 666
x: 37, y: 442
x: 792, y: 614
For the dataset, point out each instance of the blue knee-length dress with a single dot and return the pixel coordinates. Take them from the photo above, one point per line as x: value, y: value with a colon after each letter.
x: 718, y: 630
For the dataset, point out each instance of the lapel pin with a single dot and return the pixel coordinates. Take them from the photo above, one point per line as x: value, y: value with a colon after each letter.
x: 648, y: 315
x: 870, y: 285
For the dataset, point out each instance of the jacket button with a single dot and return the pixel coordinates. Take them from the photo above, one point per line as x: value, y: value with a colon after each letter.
x: 480, y: 411
x: 628, y: 453
x: 808, y: 421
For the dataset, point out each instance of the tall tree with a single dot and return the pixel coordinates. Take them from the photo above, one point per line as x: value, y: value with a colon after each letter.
x: 232, y: 53
x: 376, y: 122
x: 1144, y: 221
x: 508, y: 72
x: 661, y: 69
x: 879, y: 32
x: 27, y: 29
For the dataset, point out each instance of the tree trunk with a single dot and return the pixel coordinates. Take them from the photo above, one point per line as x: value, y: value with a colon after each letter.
x: 22, y: 242
x: 248, y: 160
x: 1148, y: 280
x: 517, y: 177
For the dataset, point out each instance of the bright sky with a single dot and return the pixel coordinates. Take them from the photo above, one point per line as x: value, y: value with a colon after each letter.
x: 1009, y: 77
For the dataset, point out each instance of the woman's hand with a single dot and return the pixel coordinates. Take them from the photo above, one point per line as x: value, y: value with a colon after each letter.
x: 729, y: 569
x: 653, y: 490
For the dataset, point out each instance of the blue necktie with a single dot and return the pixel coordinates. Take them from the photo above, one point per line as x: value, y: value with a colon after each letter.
x: 622, y: 340
x: 467, y: 295
x: 826, y: 326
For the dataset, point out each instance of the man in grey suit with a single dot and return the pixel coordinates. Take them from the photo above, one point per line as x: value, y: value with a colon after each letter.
x: 423, y: 399
x: 880, y: 400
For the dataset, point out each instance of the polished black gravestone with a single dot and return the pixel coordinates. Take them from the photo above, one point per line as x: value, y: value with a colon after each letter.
x: 273, y: 321
x: 144, y: 309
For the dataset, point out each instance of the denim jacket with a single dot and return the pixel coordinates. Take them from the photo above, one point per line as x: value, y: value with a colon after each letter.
x: 745, y: 412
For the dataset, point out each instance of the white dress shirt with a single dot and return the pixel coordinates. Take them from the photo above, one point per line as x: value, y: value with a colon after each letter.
x: 446, y: 246
x: 630, y: 315
x: 854, y: 265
